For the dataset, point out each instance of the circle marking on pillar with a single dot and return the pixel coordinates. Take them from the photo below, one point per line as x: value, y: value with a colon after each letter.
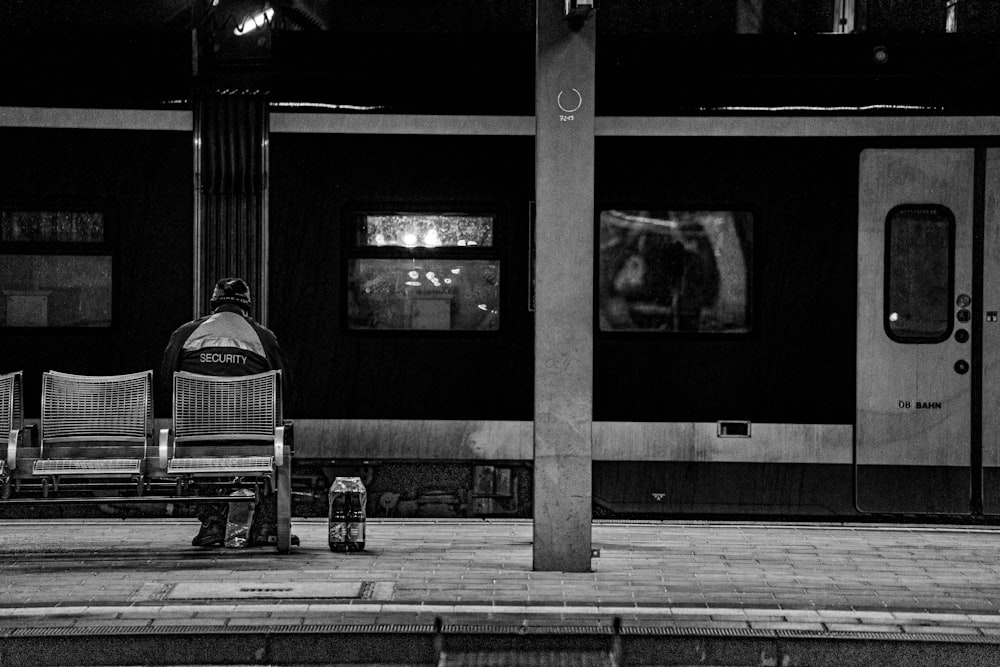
x: 579, y: 100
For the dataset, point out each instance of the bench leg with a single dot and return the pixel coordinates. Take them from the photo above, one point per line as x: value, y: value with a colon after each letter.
x: 283, y: 489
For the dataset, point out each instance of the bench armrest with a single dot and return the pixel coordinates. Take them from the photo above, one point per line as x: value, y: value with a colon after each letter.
x: 12, y: 440
x: 279, y: 446
x: 164, y: 440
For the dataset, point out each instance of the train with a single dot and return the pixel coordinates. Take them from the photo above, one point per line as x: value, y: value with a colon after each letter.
x: 796, y: 269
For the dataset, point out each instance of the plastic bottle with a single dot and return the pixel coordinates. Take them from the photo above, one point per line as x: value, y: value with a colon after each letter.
x: 338, y: 518
x: 356, y: 519
x: 348, y: 498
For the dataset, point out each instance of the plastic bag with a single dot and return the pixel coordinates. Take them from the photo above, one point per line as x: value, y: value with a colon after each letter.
x: 239, y: 520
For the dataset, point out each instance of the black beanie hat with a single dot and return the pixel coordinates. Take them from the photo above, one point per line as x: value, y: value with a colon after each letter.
x: 231, y: 290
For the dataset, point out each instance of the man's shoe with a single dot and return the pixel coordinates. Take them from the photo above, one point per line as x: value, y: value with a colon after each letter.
x: 210, y: 535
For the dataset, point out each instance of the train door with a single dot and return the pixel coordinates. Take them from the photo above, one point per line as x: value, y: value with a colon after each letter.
x: 914, y: 418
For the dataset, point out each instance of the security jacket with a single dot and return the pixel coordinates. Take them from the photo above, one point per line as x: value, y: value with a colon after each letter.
x: 225, y: 343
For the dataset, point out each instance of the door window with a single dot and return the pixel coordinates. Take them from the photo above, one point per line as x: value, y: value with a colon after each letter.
x: 920, y: 255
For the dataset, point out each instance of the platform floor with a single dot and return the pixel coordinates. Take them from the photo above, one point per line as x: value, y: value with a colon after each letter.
x: 133, y: 591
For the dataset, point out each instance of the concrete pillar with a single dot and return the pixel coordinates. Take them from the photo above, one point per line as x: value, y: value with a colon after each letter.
x: 231, y: 221
x: 564, y: 294
x: 231, y: 136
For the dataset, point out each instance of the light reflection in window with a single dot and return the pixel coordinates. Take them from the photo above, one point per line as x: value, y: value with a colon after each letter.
x: 23, y: 226
x: 410, y: 230
x: 675, y: 271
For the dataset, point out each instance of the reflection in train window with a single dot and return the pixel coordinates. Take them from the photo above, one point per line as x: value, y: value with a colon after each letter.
x: 55, y: 269
x: 416, y: 271
x: 424, y: 231
x: 24, y: 226
x: 920, y: 252
x: 676, y: 271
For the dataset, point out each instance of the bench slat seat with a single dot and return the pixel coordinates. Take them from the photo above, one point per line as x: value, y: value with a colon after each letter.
x: 126, y: 467
x: 214, y: 465
x: 85, y: 467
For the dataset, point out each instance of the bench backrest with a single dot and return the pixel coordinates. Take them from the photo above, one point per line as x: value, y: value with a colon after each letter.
x: 97, y: 408
x: 11, y: 403
x: 241, y: 408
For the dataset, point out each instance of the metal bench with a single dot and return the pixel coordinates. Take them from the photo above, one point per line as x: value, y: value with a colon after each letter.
x: 94, y: 427
x: 230, y: 429
x: 11, y: 423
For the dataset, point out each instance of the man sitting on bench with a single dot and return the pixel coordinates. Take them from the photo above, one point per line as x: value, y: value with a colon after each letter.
x: 228, y: 343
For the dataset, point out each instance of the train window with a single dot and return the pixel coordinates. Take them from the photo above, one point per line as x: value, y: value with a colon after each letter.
x: 56, y: 269
x: 675, y: 271
x: 422, y: 271
x: 919, y: 260
x: 424, y: 231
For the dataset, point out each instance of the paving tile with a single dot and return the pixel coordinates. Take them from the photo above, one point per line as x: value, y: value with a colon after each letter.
x: 903, y: 616
x: 170, y: 622
x: 863, y: 627
x: 729, y: 625
x: 990, y: 619
x: 262, y: 621
x: 879, y: 616
x: 92, y: 621
x: 775, y: 625
x: 941, y: 629
x: 34, y: 622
